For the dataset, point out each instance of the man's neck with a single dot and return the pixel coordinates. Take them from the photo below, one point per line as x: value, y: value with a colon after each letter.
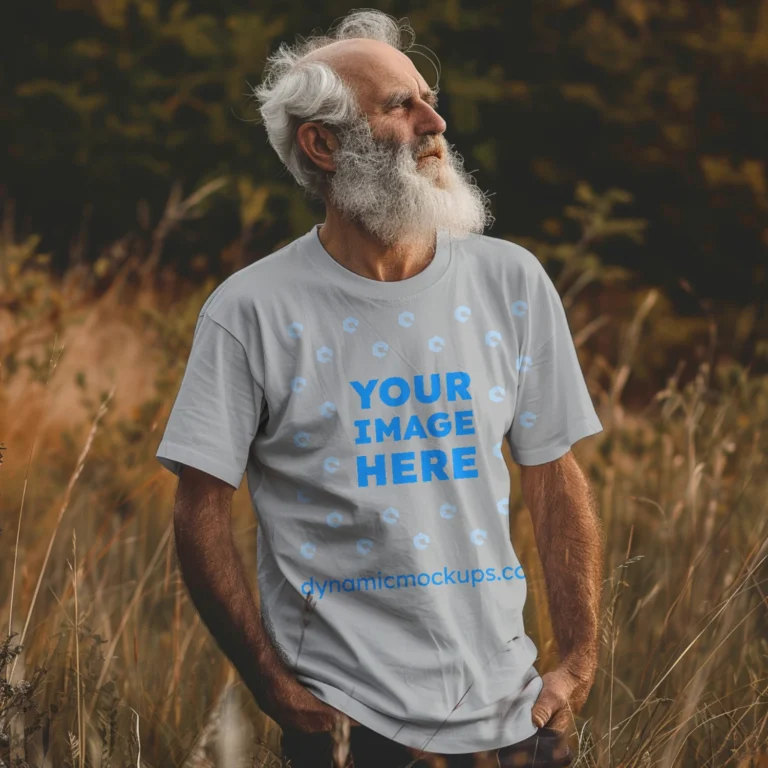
x: 358, y: 251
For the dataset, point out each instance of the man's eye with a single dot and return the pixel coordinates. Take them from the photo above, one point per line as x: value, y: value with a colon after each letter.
x: 404, y: 104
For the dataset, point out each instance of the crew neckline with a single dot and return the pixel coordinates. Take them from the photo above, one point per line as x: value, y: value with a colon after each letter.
x: 381, y: 289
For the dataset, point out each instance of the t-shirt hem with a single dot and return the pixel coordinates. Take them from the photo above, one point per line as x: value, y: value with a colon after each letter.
x: 449, y: 739
x: 577, y: 431
x: 172, y: 456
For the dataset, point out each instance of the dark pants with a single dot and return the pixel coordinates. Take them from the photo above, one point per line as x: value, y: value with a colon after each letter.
x: 544, y: 749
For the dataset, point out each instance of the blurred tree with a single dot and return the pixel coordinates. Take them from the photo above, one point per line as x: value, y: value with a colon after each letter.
x: 108, y: 102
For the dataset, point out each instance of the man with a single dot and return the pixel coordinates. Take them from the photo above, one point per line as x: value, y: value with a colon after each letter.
x: 365, y: 376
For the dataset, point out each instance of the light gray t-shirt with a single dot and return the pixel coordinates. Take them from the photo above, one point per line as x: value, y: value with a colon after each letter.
x: 369, y: 418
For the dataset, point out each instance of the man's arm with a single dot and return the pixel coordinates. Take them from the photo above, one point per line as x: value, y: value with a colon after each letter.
x: 213, y: 571
x: 215, y: 577
x: 570, y: 542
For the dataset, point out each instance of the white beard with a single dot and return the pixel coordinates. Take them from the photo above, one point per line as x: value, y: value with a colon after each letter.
x: 380, y: 185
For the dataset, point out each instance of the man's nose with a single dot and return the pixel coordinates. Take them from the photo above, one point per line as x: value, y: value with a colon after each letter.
x: 434, y: 123
x: 430, y: 122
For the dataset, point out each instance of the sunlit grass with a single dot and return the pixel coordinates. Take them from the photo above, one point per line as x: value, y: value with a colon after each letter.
x: 682, y: 489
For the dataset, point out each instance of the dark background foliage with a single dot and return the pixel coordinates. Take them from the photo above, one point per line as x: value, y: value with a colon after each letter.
x: 108, y: 102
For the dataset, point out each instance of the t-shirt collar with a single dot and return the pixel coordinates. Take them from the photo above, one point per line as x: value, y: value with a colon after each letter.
x: 366, y: 286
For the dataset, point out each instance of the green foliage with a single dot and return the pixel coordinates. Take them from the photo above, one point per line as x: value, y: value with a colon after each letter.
x: 112, y: 101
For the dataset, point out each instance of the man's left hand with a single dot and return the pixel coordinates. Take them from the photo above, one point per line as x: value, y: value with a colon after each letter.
x: 563, y: 695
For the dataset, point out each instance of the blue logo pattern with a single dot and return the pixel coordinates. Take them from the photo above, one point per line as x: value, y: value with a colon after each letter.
x: 436, y: 344
x: 324, y: 354
x: 391, y: 515
x: 364, y: 546
x: 380, y: 348
x: 496, y: 394
x: 328, y: 409
x: 518, y: 308
x: 295, y: 330
x: 462, y: 314
x: 301, y: 439
x: 447, y: 511
x: 308, y: 550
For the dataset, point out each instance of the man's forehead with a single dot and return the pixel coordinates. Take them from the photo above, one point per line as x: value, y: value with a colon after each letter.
x: 373, y: 67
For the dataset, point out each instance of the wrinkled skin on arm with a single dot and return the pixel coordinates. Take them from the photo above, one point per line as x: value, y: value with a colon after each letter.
x: 570, y: 541
x: 214, y: 574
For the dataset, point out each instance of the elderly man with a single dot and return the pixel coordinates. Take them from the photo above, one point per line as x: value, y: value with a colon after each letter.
x: 392, y: 345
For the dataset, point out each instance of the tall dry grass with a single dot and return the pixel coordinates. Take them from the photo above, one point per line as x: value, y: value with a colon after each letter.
x: 106, y: 662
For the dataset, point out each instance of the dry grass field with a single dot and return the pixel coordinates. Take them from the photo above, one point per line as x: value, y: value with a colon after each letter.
x: 105, y: 662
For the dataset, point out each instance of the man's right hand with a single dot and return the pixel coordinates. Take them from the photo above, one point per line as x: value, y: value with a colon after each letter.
x: 293, y: 706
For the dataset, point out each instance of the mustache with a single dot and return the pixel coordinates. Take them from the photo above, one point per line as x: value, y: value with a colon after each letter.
x: 427, y: 147
x: 424, y: 145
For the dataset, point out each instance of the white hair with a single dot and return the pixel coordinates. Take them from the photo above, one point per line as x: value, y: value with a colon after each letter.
x: 294, y: 91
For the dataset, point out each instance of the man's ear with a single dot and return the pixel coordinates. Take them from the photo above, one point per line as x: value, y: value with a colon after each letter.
x: 319, y: 143
x: 330, y: 138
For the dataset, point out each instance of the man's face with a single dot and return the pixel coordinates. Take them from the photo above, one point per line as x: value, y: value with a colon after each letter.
x: 394, y: 172
x: 401, y: 109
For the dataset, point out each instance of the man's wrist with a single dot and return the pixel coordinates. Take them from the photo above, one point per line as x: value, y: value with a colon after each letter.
x: 581, y: 665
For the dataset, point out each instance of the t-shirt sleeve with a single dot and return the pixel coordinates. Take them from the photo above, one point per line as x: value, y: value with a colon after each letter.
x: 216, y: 413
x: 553, y: 409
